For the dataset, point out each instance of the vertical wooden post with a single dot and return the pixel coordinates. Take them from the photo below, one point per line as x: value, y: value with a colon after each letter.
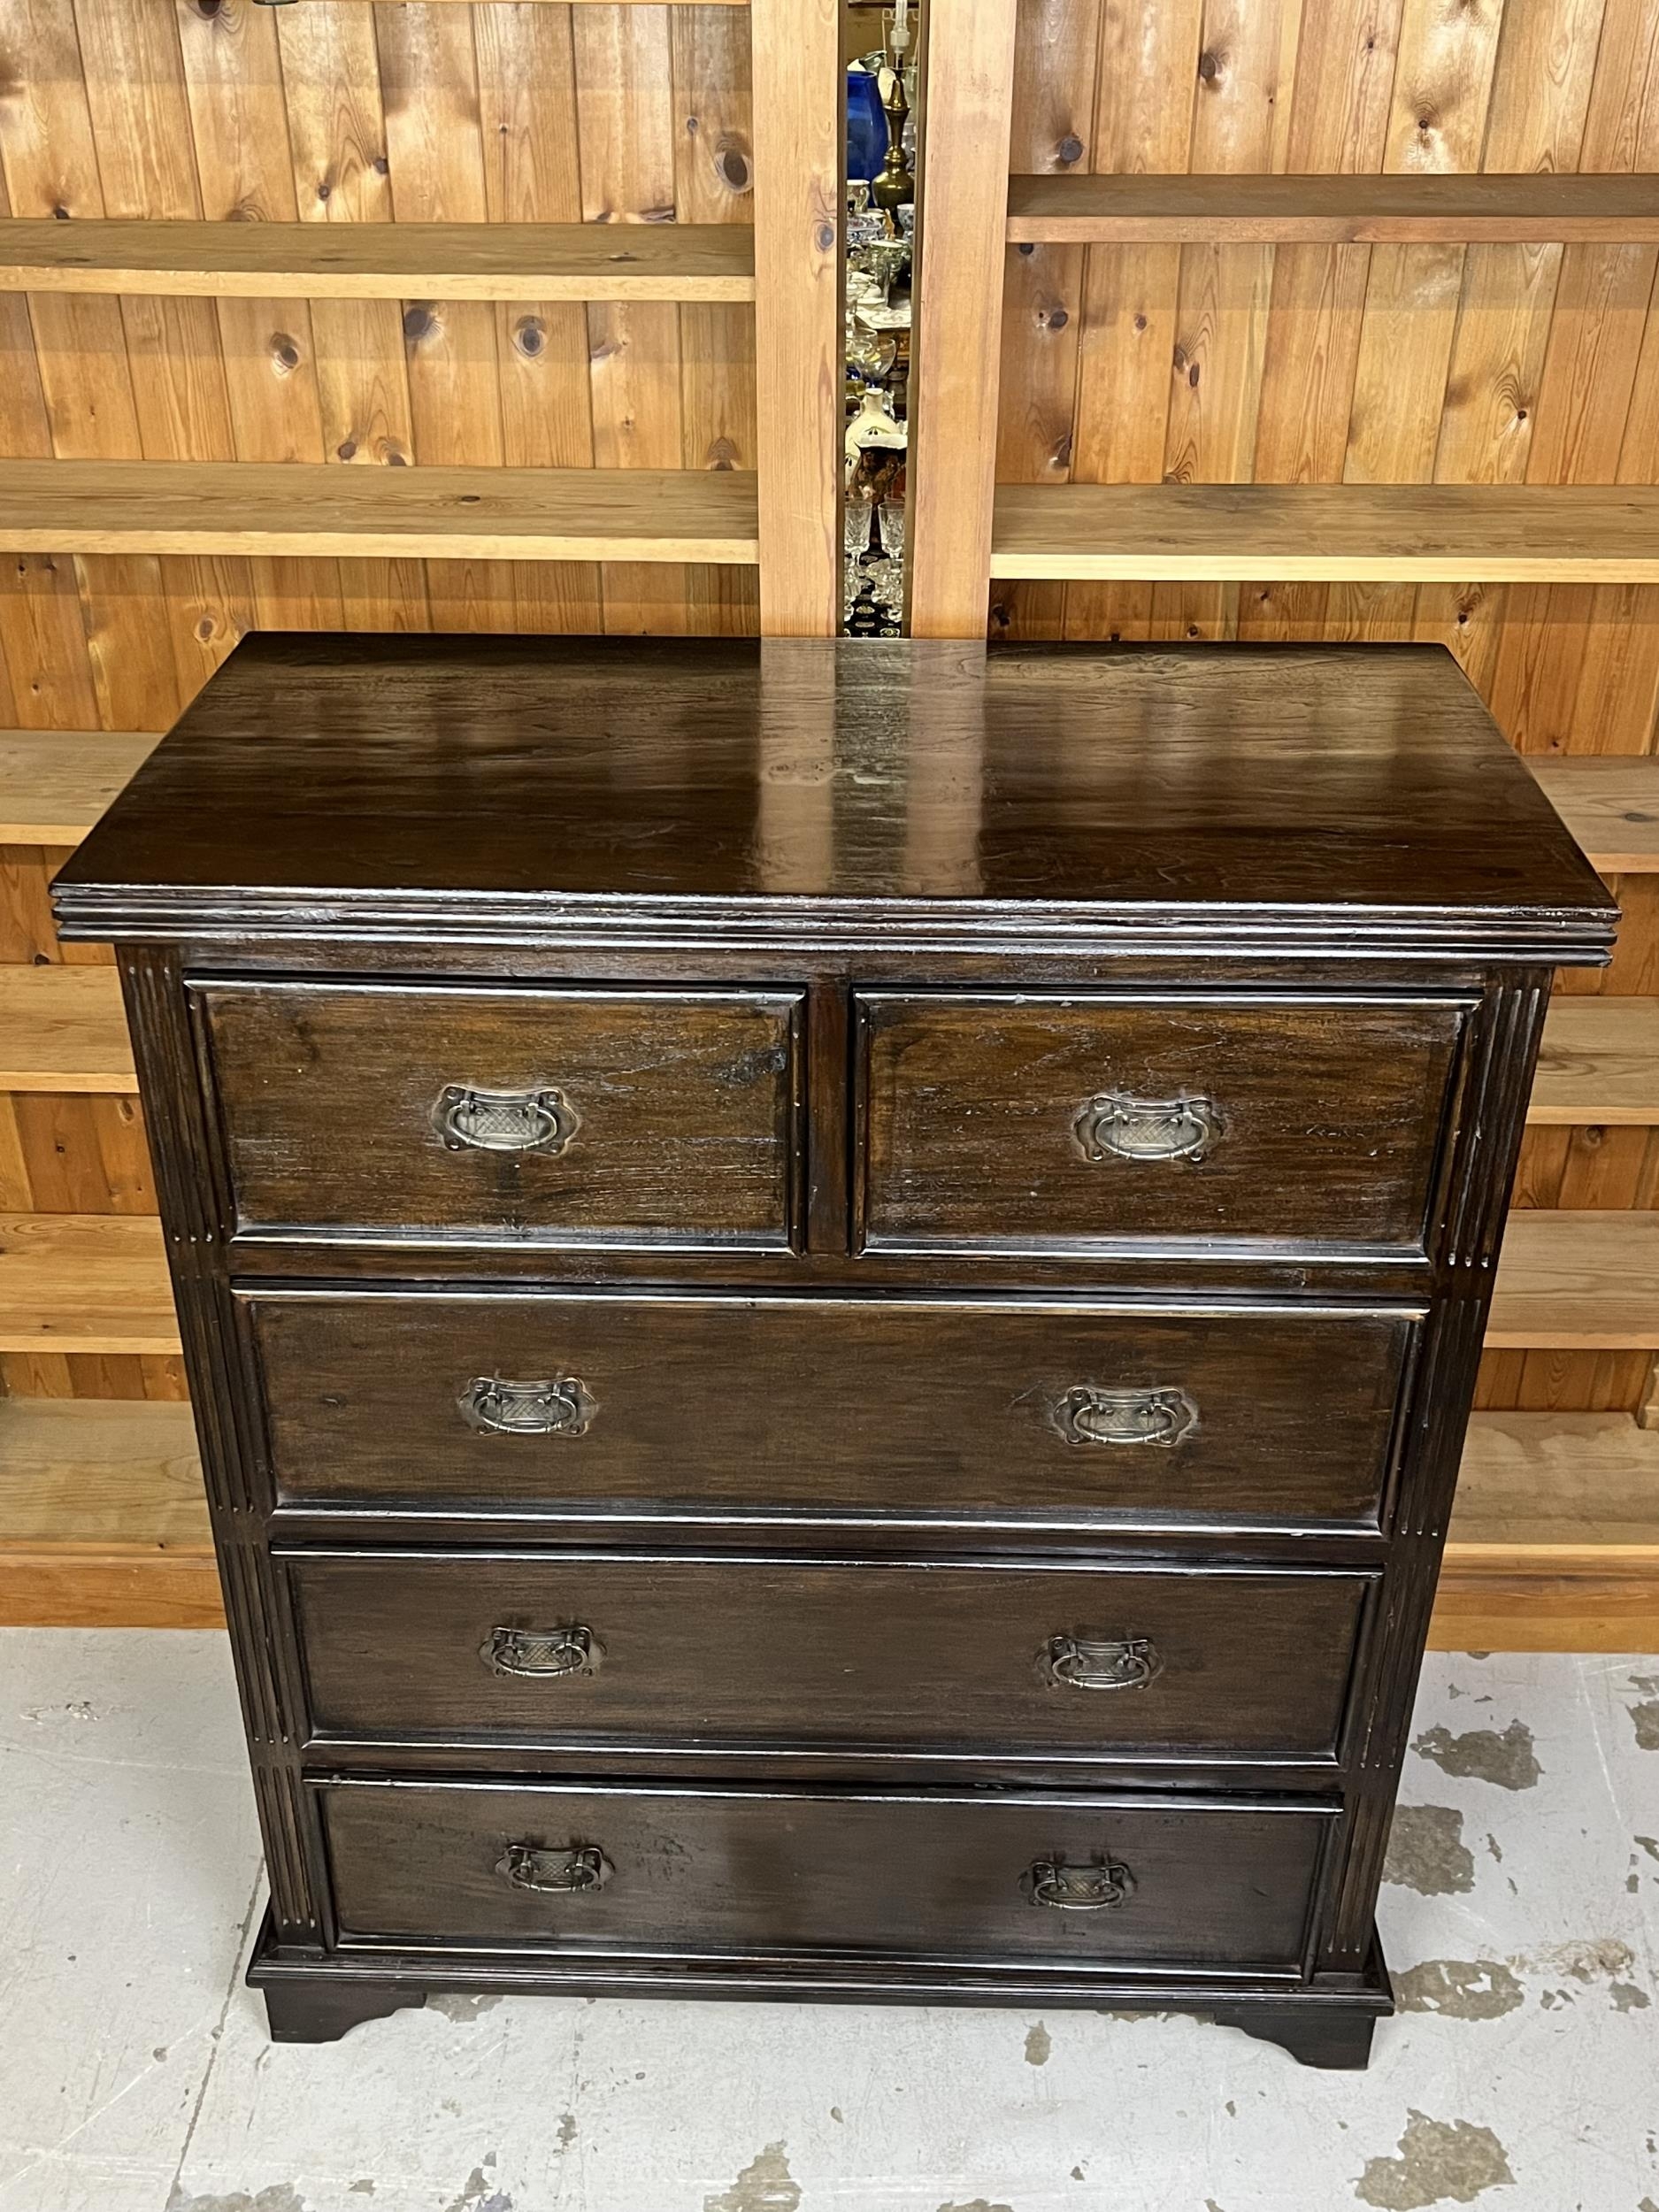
x: 963, y: 220
x: 798, y: 105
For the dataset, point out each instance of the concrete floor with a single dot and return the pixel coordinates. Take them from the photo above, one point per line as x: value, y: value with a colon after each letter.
x: 1522, y: 1919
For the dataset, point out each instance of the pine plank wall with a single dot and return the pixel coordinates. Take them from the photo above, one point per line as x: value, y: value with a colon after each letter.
x: 1484, y: 364
x: 1487, y: 364
x: 335, y: 110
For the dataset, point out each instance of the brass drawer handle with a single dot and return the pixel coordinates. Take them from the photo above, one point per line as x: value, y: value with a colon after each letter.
x: 1089, y: 1416
x: 1093, y: 1888
x: 560, y: 1407
x: 1087, y: 1663
x: 539, y: 1655
x: 568, y: 1873
x: 1116, y: 1125
x: 469, y: 1119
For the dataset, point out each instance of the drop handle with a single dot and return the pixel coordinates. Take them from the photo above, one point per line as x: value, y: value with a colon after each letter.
x: 571, y: 1872
x: 1088, y: 1414
x: 1097, y: 1887
x: 472, y: 1119
x: 1092, y: 1663
x: 1116, y: 1124
x: 540, y: 1654
x: 559, y: 1406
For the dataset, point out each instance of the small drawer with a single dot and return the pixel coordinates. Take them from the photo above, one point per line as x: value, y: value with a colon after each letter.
x: 1066, y: 1125
x: 508, y: 1114
x: 1073, y: 1878
x: 1063, y: 1413
x: 827, y: 1656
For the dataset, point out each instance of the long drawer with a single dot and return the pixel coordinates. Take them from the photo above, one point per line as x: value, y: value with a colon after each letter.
x: 908, y: 1655
x: 1073, y: 1413
x: 509, y: 1113
x: 1073, y: 1878
x: 1057, y: 1124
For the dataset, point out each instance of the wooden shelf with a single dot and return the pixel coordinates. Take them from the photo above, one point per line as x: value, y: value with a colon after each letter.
x: 1076, y: 210
x: 399, y: 261
x: 1555, y: 1540
x: 1610, y: 806
x: 97, y: 1283
x: 1599, y: 1064
x: 64, y: 1029
x: 1555, y: 1543
x: 1304, y: 532
x: 1577, y: 1282
x: 102, y: 1523
x: 54, y: 784
x: 298, y: 508
x: 84, y: 1282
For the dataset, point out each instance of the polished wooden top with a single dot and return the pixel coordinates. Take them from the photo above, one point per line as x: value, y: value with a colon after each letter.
x: 324, y: 781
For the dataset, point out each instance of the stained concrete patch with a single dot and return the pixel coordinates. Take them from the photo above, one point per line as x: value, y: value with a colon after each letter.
x: 1038, y: 2043
x: 1627, y: 1997
x: 1426, y: 1852
x: 456, y: 2004
x: 1650, y: 1845
x: 1440, y: 2161
x: 1590, y: 1959
x: 765, y: 2185
x: 479, y: 2194
x: 1461, y: 1989
x: 280, y: 2196
x: 567, y: 2130
x: 1511, y: 1760
x: 1644, y: 1718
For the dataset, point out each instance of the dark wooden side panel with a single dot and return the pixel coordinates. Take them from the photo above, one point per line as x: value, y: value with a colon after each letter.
x: 1487, y: 1145
x: 682, y: 1111
x: 915, y: 1654
x: 937, y: 1407
x: 710, y: 1872
x: 191, y: 1187
x: 1308, y: 1121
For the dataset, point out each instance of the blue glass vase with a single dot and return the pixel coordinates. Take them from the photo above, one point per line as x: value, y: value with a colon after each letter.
x: 866, y: 125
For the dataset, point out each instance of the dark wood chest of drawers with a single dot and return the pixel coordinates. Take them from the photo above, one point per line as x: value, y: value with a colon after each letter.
x: 831, y: 1293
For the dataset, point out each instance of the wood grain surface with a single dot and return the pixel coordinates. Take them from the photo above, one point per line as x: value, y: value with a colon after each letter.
x: 1320, y: 1124
x: 742, y: 1653
x: 723, y: 1870
x: 678, y: 1112
x: 957, y: 1409
x: 1081, y: 209
x: 1447, y: 533
x: 384, y: 261
x: 487, y: 514
x: 63, y: 1029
